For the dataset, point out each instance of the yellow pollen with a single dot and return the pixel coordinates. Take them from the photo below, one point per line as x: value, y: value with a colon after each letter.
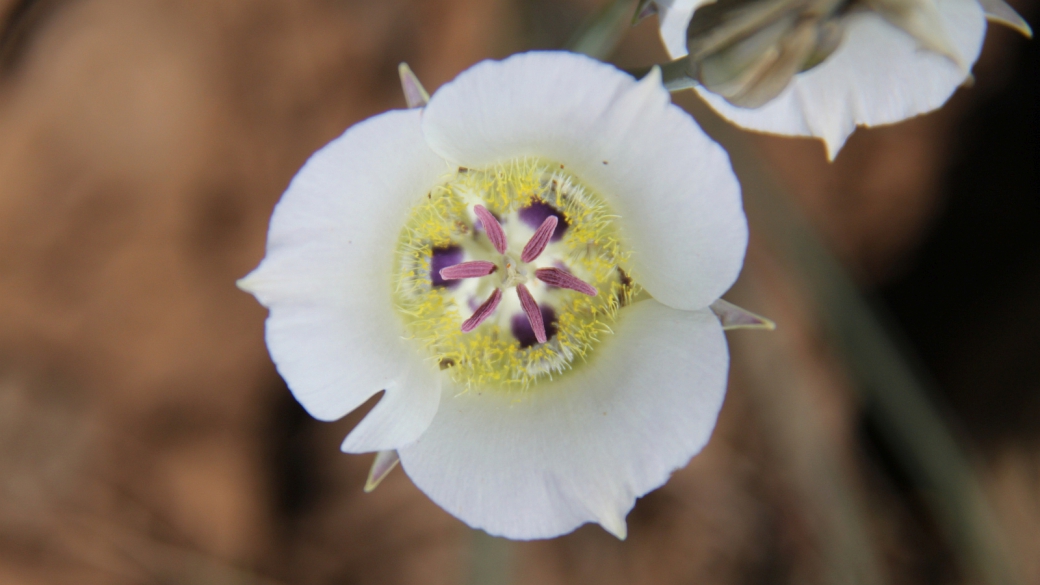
x: 491, y: 356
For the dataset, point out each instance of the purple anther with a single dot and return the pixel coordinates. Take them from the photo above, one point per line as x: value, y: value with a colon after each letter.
x: 483, y: 311
x: 520, y: 326
x: 564, y: 279
x: 539, y: 240
x: 474, y: 269
x: 535, y: 213
x: 492, y: 228
x: 534, y: 314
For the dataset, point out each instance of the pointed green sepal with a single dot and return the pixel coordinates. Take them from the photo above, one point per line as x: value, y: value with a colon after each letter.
x: 644, y: 10
x: 415, y: 94
x: 384, y: 463
x: 734, y: 317
x: 1000, y: 11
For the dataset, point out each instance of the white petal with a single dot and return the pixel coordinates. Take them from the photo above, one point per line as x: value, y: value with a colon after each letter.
x: 583, y: 447
x: 674, y: 17
x: 332, y: 331
x: 877, y: 76
x: 673, y: 188
x: 402, y: 414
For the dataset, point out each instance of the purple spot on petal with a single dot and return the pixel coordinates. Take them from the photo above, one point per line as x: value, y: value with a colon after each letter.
x: 521, y: 326
x: 443, y: 258
x: 535, y: 213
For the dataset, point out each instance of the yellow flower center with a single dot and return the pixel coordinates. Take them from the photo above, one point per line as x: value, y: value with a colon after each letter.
x: 511, y: 274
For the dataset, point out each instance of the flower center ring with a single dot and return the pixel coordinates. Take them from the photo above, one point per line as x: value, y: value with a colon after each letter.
x: 510, y: 274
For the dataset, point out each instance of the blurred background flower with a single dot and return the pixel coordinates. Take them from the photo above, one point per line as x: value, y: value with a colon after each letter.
x: 145, y: 437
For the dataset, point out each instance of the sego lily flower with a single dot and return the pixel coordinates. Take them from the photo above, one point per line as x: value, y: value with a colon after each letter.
x: 822, y: 67
x: 525, y: 267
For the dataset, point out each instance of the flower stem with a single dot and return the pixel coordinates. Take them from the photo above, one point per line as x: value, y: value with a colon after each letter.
x: 599, y: 36
x: 492, y: 560
x: 894, y: 393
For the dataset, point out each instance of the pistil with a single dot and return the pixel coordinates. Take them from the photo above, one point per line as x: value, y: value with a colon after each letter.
x: 515, y: 276
x: 456, y: 261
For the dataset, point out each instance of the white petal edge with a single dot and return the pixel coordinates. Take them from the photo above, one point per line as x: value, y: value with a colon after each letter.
x: 674, y: 18
x: 401, y: 414
x: 672, y: 186
x: 583, y: 447
x: 332, y: 331
x: 877, y: 76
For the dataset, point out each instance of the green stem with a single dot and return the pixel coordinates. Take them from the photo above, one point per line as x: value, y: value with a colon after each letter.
x: 492, y: 560
x: 894, y: 394
x: 598, y: 37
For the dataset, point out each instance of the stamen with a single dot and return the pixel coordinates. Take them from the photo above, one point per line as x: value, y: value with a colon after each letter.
x: 562, y: 279
x: 487, y: 339
x: 535, y: 213
x: 534, y: 314
x: 474, y: 269
x: 539, y: 240
x: 492, y: 228
x: 483, y: 311
x: 443, y: 257
x: 520, y: 327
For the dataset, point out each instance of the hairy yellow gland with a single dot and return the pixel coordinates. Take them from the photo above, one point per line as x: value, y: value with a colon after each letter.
x: 490, y: 357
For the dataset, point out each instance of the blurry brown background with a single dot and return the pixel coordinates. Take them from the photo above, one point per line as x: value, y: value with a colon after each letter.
x: 146, y: 438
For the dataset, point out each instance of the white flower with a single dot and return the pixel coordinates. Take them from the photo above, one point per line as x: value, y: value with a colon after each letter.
x: 893, y: 61
x: 674, y: 17
x: 556, y: 178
